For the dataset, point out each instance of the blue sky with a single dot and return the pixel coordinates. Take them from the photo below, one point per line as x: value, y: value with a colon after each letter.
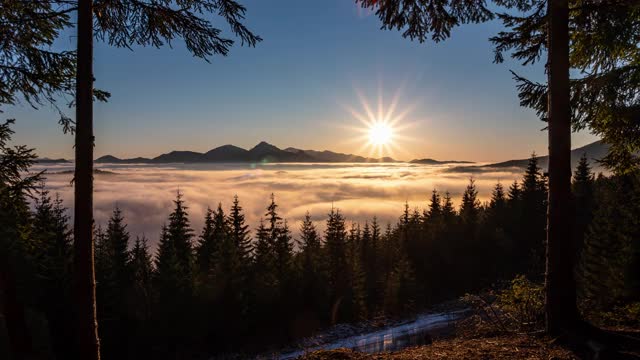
x: 294, y: 89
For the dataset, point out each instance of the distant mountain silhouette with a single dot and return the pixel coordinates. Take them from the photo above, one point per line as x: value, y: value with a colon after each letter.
x: 594, y: 151
x: 438, y: 162
x: 330, y: 156
x: 262, y: 152
x: 226, y: 153
x: 179, y: 157
x: 52, y: 161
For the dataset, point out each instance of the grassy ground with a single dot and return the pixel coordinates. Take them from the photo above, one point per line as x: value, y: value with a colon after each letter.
x: 493, y: 347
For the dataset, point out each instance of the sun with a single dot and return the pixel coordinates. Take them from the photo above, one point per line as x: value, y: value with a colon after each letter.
x: 380, y: 133
x: 382, y: 128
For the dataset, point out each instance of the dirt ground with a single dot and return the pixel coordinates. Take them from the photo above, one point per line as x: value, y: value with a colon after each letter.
x: 498, y: 347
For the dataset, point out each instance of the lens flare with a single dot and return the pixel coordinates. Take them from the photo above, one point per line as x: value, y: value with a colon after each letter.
x: 381, y: 126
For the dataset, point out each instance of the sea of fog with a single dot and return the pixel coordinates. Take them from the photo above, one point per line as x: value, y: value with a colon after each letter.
x: 145, y: 193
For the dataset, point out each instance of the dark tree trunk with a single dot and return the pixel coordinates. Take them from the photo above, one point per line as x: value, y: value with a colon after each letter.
x: 88, y: 345
x: 561, y: 311
x: 14, y: 314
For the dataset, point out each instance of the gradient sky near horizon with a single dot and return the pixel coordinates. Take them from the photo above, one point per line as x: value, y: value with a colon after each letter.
x: 318, y: 59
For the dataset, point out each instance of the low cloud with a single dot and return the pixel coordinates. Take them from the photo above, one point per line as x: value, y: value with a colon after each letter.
x: 146, y: 193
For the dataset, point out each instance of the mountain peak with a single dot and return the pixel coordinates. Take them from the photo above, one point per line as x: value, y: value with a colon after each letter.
x: 264, y: 146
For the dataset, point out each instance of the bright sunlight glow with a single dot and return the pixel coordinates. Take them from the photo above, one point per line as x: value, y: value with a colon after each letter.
x: 381, y: 128
x: 380, y: 133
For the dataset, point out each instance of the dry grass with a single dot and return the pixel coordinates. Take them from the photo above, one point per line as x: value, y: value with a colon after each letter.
x: 498, y: 347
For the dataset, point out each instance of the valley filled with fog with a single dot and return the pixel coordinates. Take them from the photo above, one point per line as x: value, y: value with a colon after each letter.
x: 145, y: 192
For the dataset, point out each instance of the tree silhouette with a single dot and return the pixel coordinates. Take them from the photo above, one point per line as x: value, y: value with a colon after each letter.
x: 16, y: 184
x: 422, y: 19
x: 125, y: 24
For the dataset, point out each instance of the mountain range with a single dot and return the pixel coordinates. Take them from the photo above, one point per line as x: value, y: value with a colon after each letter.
x: 594, y: 152
x: 263, y: 152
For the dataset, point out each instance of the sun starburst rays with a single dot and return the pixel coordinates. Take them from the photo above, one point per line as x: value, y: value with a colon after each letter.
x: 380, y: 132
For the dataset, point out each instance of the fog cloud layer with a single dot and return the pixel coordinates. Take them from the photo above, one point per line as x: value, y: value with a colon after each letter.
x: 146, y: 193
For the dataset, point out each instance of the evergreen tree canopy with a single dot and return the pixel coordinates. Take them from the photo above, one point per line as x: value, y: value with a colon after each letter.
x: 604, y: 56
x: 240, y: 230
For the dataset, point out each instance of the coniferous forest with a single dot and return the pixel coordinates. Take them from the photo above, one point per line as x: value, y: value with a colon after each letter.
x: 560, y: 245
x: 231, y: 288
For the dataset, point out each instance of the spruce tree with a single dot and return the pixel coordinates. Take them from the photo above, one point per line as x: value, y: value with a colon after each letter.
x: 469, y: 207
x: 118, y: 240
x: 313, y: 277
x: 597, y: 40
x: 53, y: 258
x: 141, y: 288
x: 284, y: 256
x: 534, y: 217
x: 582, y: 186
x: 338, y: 265
x: 435, y: 205
x: 372, y: 265
x: 357, y: 276
x: 241, y: 238
x: 205, y: 247
x: 226, y: 280
x: 16, y: 185
x: 127, y: 24
x: 264, y: 280
x: 140, y: 297
x: 498, y: 202
x: 175, y: 281
x: 497, y: 232
x: 180, y: 234
x: 448, y: 211
x: 240, y: 230
x: 112, y: 288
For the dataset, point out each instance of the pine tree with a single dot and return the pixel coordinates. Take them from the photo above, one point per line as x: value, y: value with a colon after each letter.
x: 240, y: 231
x: 180, y: 234
x: 582, y: 186
x: 448, y: 211
x: 515, y: 192
x: 175, y: 282
x: 113, y: 286
x: 338, y: 264
x: 578, y: 37
x: 400, y: 293
x: 372, y: 265
x: 118, y: 240
x: 155, y: 23
x: 140, y: 297
x: 54, y: 259
x: 265, y: 287
x: 608, y: 264
x: 469, y: 207
x: 357, y: 276
x: 16, y: 184
x: 141, y: 265
x: 264, y: 273
x: 284, y: 256
x: 166, y: 263
x: 497, y: 231
x: 534, y: 217
x: 435, y: 206
x: 205, y: 247
x: 498, y: 202
x: 227, y: 278
x: 313, y: 278
x: 240, y: 236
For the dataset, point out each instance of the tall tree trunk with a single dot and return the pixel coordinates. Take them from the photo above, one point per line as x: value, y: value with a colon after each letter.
x: 14, y: 313
x: 88, y: 344
x: 561, y: 311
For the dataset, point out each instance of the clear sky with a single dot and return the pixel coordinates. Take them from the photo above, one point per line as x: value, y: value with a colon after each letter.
x: 296, y: 87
